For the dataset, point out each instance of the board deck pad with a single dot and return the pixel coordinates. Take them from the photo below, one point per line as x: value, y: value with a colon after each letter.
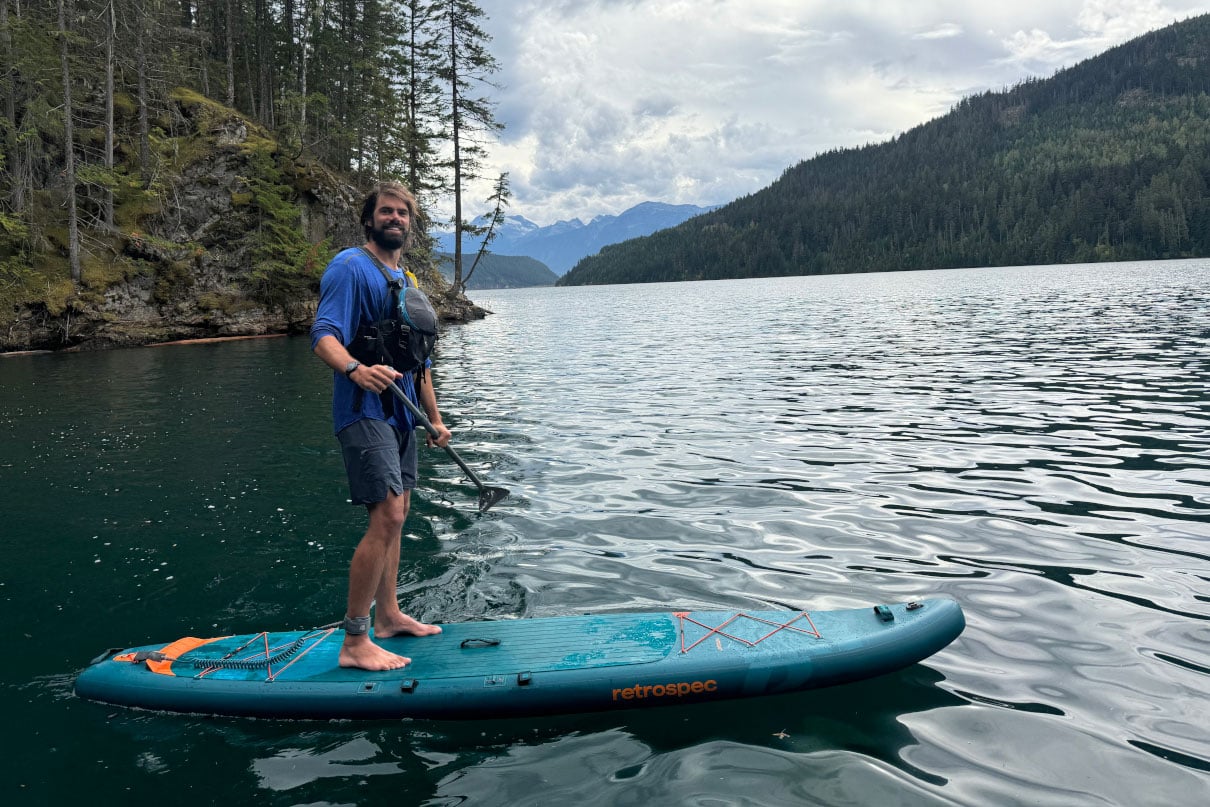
x: 528, y: 666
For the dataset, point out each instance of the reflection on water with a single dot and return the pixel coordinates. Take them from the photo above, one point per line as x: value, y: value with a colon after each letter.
x: 293, y: 767
x: 673, y: 756
x: 1032, y: 442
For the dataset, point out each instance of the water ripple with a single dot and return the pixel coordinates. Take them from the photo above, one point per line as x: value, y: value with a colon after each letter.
x: 1032, y: 442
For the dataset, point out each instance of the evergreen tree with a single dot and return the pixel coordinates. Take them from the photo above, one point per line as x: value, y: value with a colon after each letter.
x: 501, y: 193
x: 97, y: 94
x: 69, y: 169
x: 423, y: 123
x: 465, y: 72
x: 8, y: 82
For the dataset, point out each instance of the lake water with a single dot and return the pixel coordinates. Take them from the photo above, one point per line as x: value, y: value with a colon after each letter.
x: 1033, y: 442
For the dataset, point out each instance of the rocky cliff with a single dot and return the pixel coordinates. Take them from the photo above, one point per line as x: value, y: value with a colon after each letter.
x: 229, y: 239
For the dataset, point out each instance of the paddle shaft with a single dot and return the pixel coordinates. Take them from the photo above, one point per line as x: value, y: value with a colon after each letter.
x: 431, y: 429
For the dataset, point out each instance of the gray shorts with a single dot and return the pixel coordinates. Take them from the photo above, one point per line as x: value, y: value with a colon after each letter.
x: 378, y: 457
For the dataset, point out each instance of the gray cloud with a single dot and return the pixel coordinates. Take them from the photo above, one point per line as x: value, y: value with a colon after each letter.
x: 608, y: 103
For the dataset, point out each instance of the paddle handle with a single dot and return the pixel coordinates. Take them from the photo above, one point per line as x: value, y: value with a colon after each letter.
x: 431, y: 429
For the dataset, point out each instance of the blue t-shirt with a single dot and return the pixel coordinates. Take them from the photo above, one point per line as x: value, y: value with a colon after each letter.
x: 354, y: 292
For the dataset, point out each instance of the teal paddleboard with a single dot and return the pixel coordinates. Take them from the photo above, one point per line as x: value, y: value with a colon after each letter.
x: 528, y: 666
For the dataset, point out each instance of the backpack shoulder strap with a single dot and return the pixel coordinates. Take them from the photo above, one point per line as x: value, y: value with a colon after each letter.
x: 409, y: 279
x: 394, y: 285
x: 382, y: 267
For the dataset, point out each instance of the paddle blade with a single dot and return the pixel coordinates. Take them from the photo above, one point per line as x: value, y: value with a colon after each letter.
x: 489, y: 496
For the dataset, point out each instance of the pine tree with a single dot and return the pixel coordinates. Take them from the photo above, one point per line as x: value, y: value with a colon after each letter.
x: 69, y: 171
x: 465, y: 72
x: 501, y: 194
x: 111, y: 35
x: 423, y: 124
x: 9, y: 79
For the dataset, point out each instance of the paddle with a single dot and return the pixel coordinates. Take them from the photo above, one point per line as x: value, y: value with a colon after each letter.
x: 488, y: 495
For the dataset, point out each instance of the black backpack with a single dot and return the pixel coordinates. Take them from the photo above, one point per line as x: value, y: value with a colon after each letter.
x: 406, y: 336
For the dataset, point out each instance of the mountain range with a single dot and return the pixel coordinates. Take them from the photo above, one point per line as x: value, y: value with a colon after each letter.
x: 561, y: 245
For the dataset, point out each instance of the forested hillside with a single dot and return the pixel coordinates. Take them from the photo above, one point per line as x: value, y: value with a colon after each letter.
x: 184, y: 168
x: 1107, y: 160
x: 500, y: 272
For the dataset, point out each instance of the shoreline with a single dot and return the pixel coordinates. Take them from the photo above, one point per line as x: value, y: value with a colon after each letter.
x: 459, y: 312
x: 198, y: 341
x: 208, y: 339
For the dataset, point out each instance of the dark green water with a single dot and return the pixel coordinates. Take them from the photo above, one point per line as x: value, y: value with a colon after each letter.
x: 1034, y: 442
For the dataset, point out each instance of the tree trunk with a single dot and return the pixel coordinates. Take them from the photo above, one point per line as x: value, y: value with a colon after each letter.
x: 204, y: 51
x: 6, y: 45
x: 412, y: 102
x: 230, y: 14
x: 467, y: 65
x: 111, y: 32
x: 264, y: 62
x: 456, y: 140
x: 288, y: 20
x: 69, y: 171
x: 144, y: 114
x: 249, y: 79
x: 304, y: 41
x: 15, y: 166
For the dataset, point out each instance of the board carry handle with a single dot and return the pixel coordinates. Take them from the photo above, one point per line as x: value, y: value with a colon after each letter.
x: 488, y: 495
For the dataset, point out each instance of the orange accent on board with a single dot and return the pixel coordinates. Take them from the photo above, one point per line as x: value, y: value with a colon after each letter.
x: 175, y: 650
x: 171, y: 652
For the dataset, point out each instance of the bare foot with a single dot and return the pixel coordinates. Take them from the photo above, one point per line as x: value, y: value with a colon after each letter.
x: 361, y: 653
x: 389, y: 625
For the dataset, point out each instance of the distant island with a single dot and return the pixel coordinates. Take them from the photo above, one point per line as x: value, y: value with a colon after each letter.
x: 1108, y: 160
x: 499, y: 271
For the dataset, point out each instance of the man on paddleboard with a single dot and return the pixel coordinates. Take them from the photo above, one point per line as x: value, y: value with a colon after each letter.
x: 359, y: 301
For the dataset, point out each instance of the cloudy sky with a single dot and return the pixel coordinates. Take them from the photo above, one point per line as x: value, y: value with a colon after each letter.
x: 608, y: 103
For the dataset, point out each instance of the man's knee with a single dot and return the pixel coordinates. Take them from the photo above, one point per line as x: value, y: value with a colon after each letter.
x: 390, y: 514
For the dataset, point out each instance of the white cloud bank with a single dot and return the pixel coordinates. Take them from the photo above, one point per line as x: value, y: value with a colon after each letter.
x: 608, y: 103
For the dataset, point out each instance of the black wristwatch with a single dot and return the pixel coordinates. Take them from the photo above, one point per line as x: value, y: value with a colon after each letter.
x: 350, y: 367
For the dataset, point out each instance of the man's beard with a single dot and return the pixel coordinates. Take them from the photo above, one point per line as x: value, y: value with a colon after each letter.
x: 387, y: 240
